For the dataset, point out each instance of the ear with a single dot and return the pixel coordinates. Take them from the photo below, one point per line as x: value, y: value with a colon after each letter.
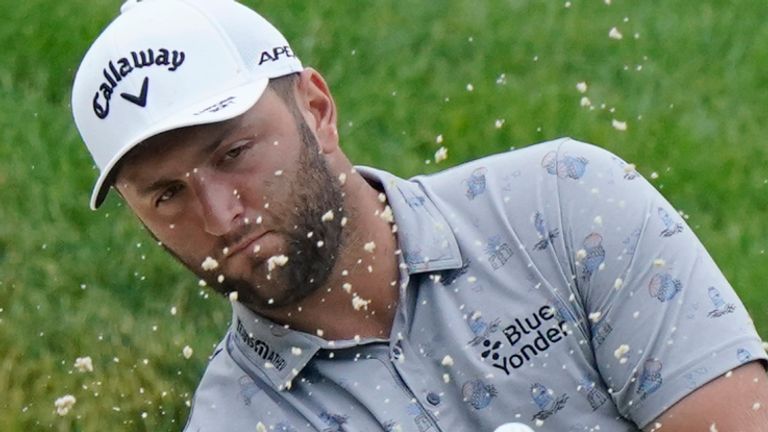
x: 318, y: 108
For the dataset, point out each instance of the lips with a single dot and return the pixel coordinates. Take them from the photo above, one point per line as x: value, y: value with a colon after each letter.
x: 246, y: 244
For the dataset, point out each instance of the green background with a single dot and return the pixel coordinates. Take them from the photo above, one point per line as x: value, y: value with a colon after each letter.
x: 688, y: 77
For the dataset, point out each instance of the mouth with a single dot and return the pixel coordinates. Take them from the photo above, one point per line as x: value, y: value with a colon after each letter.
x: 246, y: 245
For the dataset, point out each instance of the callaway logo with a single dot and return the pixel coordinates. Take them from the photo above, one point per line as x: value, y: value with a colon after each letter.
x: 115, y: 71
x: 141, y: 99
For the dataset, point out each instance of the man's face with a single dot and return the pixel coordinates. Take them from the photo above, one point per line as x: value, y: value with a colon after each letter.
x: 241, y: 192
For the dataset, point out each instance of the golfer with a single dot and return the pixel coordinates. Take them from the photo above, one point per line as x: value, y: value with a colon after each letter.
x: 550, y: 287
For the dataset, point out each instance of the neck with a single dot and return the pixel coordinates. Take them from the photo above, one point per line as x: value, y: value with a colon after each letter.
x: 361, y: 295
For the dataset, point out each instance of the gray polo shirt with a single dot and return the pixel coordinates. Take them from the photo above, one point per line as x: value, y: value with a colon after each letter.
x: 551, y: 286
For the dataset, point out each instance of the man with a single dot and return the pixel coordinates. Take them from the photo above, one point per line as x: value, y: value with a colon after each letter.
x: 551, y: 286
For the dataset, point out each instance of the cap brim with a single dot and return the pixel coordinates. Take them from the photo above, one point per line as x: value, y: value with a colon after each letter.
x: 224, y: 106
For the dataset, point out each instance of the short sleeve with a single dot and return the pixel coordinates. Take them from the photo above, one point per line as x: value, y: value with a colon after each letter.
x: 662, y: 318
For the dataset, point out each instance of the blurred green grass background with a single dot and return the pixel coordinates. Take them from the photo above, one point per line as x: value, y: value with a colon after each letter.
x: 688, y: 77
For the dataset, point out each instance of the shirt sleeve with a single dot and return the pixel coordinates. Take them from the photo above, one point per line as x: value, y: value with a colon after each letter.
x: 662, y: 318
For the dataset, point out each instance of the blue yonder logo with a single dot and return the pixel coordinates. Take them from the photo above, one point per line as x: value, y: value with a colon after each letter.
x: 527, y: 338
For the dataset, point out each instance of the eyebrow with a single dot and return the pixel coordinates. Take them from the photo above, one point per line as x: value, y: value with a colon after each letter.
x: 163, y: 182
x: 228, y: 127
x: 155, y: 186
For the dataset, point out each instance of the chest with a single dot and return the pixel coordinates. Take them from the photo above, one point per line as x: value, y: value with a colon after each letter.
x: 499, y: 342
x: 467, y: 354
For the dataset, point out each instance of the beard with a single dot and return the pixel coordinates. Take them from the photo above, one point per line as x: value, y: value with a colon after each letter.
x: 313, y: 192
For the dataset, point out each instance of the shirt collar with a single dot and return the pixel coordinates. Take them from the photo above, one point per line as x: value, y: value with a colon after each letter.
x: 278, y: 353
x: 427, y: 243
x: 424, y: 235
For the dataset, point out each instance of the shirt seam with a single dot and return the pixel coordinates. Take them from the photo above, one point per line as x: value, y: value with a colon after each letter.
x: 682, y: 391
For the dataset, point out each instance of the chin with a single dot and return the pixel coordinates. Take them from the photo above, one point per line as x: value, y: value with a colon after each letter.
x: 263, y: 294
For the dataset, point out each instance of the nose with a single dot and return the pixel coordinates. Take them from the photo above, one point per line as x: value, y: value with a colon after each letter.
x: 220, y: 203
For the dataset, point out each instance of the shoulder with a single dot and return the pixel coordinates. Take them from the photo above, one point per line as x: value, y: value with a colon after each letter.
x: 524, y: 158
x: 223, y: 396
x: 217, y: 376
x: 559, y: 159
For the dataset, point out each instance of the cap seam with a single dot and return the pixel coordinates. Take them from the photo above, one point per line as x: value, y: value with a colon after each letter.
x: 232, y: 48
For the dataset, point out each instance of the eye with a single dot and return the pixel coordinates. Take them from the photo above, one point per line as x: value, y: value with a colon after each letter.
x: 168, y: 194
x: 234, y: 152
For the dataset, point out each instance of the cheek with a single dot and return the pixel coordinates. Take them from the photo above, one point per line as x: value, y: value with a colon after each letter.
x: 187, y: 242
x: 264, y: 193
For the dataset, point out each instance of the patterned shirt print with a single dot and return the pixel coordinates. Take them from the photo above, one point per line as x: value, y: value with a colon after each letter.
x: 522, y: 275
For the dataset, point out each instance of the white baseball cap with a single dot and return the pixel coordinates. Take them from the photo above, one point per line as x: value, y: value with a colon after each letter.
x: 166, y: 64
